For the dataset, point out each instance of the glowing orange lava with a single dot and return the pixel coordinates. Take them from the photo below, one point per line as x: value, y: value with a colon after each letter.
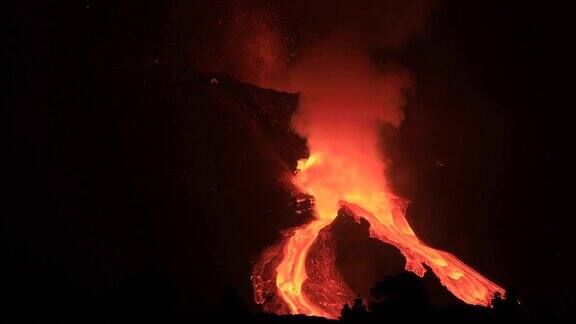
x: 385, y: 213
x: 341, y: 110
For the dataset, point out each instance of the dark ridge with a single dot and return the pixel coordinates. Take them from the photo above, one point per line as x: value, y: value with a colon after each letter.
x: 139, y: 170
x: 362, y: 260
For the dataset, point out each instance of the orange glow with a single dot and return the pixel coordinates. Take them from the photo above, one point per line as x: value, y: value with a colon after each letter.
x: 292, y: 270
x: 342, y: 103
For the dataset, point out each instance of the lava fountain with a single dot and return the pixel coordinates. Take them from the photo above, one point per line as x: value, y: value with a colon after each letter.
x: 344, y: 100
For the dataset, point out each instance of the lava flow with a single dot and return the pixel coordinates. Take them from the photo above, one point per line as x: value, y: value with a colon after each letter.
x: 343, y: 102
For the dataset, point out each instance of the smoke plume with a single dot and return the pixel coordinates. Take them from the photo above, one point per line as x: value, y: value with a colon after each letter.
x: 264, y: 42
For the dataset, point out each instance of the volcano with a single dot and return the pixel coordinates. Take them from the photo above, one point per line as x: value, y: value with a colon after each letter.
x: 345, y: 101
x: 256, y: 123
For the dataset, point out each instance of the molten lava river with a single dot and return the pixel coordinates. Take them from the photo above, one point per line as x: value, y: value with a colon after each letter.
x: 345, y: 171
x: 385, y: 214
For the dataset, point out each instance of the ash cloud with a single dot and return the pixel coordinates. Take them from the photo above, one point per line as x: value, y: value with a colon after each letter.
x: 263, y: 42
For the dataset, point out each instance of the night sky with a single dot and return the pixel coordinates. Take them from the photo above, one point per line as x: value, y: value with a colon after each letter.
x: 128, y: 178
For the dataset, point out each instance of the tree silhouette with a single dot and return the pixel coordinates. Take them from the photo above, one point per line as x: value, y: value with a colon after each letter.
x: 506, y: 308
x: 403, y: 295
x: 356, y: 314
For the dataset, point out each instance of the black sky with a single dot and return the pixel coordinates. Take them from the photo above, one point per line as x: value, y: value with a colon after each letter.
x: 109, y: 185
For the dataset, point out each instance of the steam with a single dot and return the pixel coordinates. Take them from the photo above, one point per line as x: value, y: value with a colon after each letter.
x: 343, y: 99
x: 345, y: 96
